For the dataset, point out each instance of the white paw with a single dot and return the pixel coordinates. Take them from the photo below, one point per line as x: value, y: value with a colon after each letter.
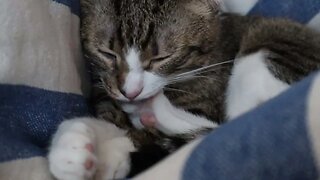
x: 115, y: 159
x: 71, y: 156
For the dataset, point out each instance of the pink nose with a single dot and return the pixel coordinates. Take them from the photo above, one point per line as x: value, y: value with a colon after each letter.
x: 132, y: 95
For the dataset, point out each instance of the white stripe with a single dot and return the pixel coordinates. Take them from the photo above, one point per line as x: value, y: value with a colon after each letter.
x: 40, y: 46
x: 315, y: 22
x: 134, y: 78
x: 313, y: 114
x: 133, y: 59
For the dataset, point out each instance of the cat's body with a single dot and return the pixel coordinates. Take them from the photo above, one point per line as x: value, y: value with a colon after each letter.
x: 179, y: 68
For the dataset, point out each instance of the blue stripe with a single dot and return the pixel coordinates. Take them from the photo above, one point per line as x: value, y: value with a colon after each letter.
x: 74, y: 5
x: 270, y: 142
x: 29, y: 116
x: 299, y: 10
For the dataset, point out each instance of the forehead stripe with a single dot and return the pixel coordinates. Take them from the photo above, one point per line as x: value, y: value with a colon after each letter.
x: 133, y: 59
x: 148, y: 36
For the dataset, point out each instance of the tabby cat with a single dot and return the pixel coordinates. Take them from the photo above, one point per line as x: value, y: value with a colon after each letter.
x: 168, y: 71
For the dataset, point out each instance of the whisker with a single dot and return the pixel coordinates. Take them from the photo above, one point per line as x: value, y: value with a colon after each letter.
x: 204, y: 68
x: 210, y: 70
x: 193, y: 76
x: 178, y: 90
x: 178, y: 81
x: 185, y: 79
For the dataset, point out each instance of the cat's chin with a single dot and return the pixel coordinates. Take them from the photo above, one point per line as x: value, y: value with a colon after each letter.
x: 140, y: 111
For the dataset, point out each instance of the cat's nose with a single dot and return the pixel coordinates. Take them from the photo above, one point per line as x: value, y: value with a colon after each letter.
x: 132, y: 94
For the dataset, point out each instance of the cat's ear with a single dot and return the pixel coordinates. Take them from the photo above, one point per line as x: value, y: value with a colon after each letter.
x: 205, y: 7
x: 97, y: 24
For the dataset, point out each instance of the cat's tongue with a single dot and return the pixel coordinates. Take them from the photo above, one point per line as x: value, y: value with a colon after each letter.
x: 148, y: 119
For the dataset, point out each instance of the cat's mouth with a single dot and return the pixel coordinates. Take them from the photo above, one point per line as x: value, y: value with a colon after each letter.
x: 143, y: 109
x: 145, y: 100
x: 143, y: 97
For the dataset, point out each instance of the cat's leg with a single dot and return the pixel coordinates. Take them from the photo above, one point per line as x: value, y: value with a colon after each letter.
x: 71, y: 154
x: 273, y: 54
x: 172, y: 120
x: 83, y: 146
x: 251, y: 84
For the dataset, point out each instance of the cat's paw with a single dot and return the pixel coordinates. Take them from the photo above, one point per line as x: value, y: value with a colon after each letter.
x: 72, y: 155
x: 114, y: 158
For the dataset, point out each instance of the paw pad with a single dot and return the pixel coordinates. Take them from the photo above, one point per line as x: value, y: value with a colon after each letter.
x: 89, y: 164
x: 89, y: 147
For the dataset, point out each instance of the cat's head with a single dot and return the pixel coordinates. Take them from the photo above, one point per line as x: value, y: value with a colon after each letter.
x: 139, y: 47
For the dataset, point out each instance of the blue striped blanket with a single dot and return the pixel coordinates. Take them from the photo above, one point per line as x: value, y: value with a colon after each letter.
x: 43, y: 81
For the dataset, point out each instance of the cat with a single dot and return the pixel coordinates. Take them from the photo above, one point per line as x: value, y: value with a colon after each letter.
x: 167, y: 72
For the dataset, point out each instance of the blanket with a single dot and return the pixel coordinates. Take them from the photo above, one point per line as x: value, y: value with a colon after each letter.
x: 42, y: 81
x: 43, y: 78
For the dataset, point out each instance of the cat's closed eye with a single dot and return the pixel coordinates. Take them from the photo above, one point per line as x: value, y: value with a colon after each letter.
x: 158, y: 59
x: 108, y: 55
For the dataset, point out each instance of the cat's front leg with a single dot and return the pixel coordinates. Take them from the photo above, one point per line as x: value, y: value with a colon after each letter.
x: 85, y: 147
x: 172, y: 120
x: 72, y: 153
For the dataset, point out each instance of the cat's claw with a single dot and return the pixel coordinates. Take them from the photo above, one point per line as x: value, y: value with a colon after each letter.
x: 72, y: 155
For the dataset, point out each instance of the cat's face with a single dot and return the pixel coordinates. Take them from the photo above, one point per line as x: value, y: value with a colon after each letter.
x: 137, y: 48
